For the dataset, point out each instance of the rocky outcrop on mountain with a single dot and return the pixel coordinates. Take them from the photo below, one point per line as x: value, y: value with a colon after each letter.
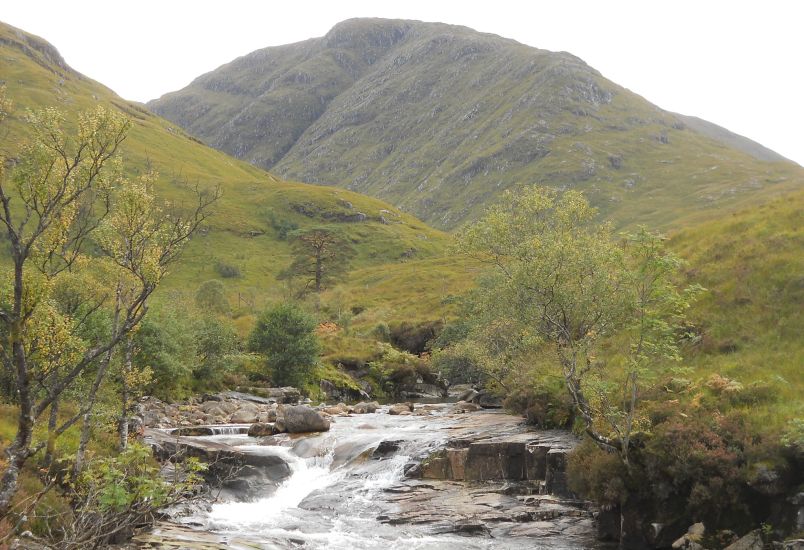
x: 438, y: 119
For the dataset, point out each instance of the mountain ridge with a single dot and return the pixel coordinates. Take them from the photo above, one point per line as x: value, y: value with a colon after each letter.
x: 438, y: 118
x: 243, y: 233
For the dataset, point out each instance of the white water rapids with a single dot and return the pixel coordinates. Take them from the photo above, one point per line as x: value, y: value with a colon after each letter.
x: 336, y: 490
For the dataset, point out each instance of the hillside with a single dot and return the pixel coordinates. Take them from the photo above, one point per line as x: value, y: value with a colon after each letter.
x: 437, y: 119
x: 245, y: 231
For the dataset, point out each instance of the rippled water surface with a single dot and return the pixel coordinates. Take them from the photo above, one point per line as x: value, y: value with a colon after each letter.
x: 337, y: 493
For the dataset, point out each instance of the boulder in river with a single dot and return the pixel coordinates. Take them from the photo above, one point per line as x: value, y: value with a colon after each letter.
x: 300, y: 419
x: 246, y: 414
x: 262, y: 429
x: 365, y: 408
x: 487, y: 400
x: 400, y: 408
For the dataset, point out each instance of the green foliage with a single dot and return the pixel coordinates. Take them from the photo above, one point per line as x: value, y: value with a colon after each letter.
x: 320, y: 255
x: 123, y: 482
x: 283, y: 226
x: 395, y: 370
x: 215, y: 342
x: 165, y: 343
x: 560, y: 280
x: 414, y: 337
x: 227, y: 271
x: 211, y: 297
x: 285, y: 333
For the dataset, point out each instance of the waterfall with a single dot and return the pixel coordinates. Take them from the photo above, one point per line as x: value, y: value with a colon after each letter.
x: 229, y: 430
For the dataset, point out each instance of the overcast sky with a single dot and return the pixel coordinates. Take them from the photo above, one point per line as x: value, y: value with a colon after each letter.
x: 736, y: 63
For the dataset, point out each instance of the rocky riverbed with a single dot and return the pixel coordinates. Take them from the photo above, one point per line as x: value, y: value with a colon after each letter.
x: 405, y: 475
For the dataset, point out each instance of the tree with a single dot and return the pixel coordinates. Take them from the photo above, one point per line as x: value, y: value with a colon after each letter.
x: 64, y: 189
x: 286, y: 334
x: 563, y: 281
x: 320, y: 255
x: 211, y: 297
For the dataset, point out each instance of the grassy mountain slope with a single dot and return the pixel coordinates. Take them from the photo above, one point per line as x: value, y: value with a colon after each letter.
x: 752, y: 317
x: 437, y: 119
x: 242, y: 233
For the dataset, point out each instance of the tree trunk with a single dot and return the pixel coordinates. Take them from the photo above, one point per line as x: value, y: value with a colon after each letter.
x: 124, y: 396
x: 52, y: 424
x: 319, y: 274
x: 17, y: 453
x: 86, y: 425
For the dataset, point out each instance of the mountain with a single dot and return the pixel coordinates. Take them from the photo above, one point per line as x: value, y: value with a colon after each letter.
x: 245, y: 233
x: 438, y: 119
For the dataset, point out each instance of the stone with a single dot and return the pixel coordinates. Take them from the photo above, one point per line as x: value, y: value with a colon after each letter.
x: 208, y: 406
x: 267, y: 416
x: 152, y: 419
x: 400, y: 408
x: 556, y: 473
x: 697, y: 529
x: 463, y: 406
x: 364, y: 408
x: 301, y: 419
x: 436, y: 467
x: 261, y: 429
x: 386, y: 448
x: 246, y: 414
x: 457, y: 463
x: 228, y: 406
x: 751, y: 541
x: 468, y: 395
x: 216, y: 412
x: 488, y: 400
x: 339, y: 409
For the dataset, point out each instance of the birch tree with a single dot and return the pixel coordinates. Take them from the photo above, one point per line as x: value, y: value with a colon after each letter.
x: 574, y: 285
x: 63, y: 188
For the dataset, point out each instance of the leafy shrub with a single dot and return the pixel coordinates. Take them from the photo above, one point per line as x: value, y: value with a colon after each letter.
x: 397, y: 369
x: 227, y: 271
x: 113, y: 496
x: 542, y: 406
x: 457, y: 366
x: 285, y: 334
x: 381, y: 332
x: 597, y: 475
x: 215, y: 340
x: 414, y: 338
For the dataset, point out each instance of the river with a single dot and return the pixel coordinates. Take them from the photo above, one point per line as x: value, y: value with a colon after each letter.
x: 348, y: 489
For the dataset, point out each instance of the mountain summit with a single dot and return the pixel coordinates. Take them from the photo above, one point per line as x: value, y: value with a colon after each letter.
x: 438, y: 119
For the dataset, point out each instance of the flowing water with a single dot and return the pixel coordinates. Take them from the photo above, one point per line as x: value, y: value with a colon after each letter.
x: 336, y: 495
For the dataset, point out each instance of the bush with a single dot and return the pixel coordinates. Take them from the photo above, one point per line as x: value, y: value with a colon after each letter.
x: 165, y: 341
x: 286, y: 335
x: 381, y: 332
x: 215, y: 340
x: 542, y: 406
x: 596, y: 474
x: 456, y: 366
x: 211, y: 297
x: 414, y: 338
x: 227, y: 271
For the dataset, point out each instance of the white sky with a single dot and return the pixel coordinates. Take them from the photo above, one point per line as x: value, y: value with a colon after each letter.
x: 733, y: 62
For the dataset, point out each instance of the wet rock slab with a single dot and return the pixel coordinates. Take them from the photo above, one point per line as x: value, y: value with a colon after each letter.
x: 171, y: 536
x: 489, y: 510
